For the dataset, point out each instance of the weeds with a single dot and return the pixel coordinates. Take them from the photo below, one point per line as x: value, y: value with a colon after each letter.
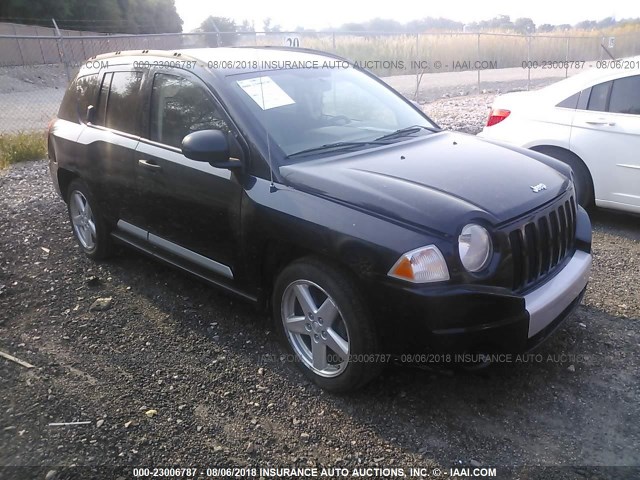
x: 21, y: 147
x: 452, y: 50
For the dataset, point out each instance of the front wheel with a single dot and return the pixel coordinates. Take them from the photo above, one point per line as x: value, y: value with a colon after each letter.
x: 319, y: 311
x: 88, y: 226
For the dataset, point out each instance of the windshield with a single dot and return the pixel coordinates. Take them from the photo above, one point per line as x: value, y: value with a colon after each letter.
x: 308, y: 112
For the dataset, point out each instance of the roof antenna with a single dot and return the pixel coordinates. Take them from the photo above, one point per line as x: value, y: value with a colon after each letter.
x: 272, y: 187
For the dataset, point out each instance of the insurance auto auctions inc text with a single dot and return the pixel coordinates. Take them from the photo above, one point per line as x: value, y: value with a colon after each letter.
x: 366, y: 64
x: 376, y: 472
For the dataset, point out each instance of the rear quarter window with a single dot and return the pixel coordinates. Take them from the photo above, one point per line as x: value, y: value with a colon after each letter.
x: 81, y: 93
x: 570, y: 102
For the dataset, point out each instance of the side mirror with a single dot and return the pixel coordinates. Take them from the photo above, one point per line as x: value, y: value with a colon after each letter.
x: 90, y: 116
x: 209, y: 146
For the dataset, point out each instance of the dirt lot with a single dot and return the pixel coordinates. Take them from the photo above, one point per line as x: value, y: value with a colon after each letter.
x: 226, y: 396
x: 30, y: 96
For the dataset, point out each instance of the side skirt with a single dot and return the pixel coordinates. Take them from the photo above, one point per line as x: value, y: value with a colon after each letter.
x: 159, y: 253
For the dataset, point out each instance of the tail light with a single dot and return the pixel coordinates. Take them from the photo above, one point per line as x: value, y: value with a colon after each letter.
x: 50, y: 125
x: 50, y: 152
x: 496, y: 115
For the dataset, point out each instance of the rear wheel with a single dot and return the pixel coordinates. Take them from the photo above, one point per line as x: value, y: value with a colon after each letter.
x: 582, y: 177
x: 88, y: 226
x: 324, y: 320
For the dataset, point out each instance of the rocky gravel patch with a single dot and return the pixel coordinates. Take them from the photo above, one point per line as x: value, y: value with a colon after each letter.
x: 171, y: 372
x: 466, y: 114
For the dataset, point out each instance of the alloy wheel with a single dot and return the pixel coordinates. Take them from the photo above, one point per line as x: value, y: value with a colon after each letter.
x: 315, y: 328
x: 84, y: 224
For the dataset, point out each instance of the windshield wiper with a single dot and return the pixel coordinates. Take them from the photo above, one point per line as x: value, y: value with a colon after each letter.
x: 405, y: 131
x: 336, y: 146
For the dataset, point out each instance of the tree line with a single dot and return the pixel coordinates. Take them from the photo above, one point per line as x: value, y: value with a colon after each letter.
x: 105, y: 16
x: 160, y: 16
x: 522, y: 25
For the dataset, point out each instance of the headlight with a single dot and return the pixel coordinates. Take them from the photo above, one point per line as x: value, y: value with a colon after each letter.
x: 422, y: 265
x: 474, y: 247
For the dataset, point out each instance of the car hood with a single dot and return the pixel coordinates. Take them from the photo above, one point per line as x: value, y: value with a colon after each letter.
x: 434, y: 182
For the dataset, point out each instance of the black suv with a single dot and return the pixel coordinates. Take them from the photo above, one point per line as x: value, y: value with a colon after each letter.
x: 303, y: 183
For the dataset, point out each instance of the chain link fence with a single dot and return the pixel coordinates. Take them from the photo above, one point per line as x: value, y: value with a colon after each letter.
x: 36, y: 63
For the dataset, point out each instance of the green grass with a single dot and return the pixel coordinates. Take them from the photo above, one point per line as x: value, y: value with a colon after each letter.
x: 21, y: 147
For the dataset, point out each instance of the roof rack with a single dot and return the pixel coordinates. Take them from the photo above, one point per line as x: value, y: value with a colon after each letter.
x: 156, y: 53
x: 182, y: 55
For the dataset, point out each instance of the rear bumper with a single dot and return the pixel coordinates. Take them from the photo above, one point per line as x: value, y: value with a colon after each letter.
x: 53, y: 171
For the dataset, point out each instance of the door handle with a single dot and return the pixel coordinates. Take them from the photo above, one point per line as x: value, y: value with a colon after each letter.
x: 149, y: 164
x: 600, y: 122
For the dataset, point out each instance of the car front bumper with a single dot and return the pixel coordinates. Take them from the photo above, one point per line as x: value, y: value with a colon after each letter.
x: 546, y: 303
x: 458, y: 319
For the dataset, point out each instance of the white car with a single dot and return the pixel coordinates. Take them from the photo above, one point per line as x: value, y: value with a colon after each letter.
x: 590, y: 121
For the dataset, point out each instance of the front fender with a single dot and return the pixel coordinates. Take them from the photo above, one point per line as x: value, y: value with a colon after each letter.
x: 366, y: 244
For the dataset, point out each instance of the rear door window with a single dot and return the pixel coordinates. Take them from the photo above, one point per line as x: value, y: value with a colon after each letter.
x: 102, y: 99
x: 179, y: 107
x: 121, y: 107
x: 625, y: 95
x: 599, y: 97
x: 583, y: 101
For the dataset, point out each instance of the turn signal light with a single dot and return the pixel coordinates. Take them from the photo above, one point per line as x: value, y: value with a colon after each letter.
x: 422, y: 265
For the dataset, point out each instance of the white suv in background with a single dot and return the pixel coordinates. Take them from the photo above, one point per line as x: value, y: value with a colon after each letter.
x: 590, y: 121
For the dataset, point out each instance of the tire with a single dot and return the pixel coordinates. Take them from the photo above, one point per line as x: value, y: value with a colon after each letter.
x: 87, y: 224
x: 336, y: 351
x: 582, y: 177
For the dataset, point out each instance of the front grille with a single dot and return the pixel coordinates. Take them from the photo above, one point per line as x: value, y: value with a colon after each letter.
x: 540, y: 245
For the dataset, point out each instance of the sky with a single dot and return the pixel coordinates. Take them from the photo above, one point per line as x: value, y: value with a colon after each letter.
x: 333, y: 13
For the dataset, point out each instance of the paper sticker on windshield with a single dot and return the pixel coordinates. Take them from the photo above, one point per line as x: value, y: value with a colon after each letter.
x: 265, y: 92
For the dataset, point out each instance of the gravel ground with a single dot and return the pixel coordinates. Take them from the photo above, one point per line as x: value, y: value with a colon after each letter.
x: 465, y: 114
x: 225, y: 395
